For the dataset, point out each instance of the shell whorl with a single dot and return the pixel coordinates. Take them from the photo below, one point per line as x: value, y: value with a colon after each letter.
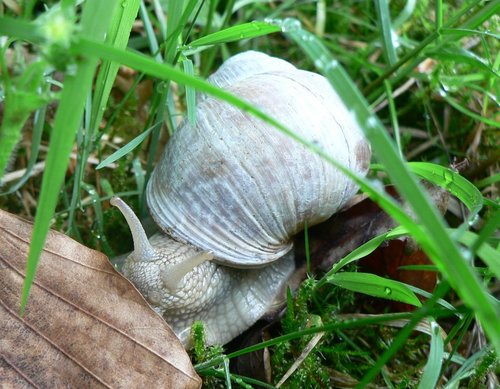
x: 235, y: 186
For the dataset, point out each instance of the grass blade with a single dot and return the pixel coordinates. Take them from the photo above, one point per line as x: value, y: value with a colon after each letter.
x: 453, y: 182
x: 190, y: 92
x: 432, y: 235
x: 236, y: 33
x: 376, y: 286
x: 96, y: 17
x: 128, y: 147
x: 388, y: 35
x: 432, y: 368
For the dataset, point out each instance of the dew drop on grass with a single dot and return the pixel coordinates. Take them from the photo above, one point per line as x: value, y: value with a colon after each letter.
x: 395, y: 39
x: 275, y: 22
x: 474, y: 222
x: 387, y: 290
x: 321, y: 62
x: 332, y: 64
x: 466, y: 254
x: 291, y: 24
x: 371, y: 125
x: 306, y: 37
x: 377, y: 185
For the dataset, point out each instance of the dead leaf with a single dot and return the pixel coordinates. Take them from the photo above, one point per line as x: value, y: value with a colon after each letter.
x: 85, y: 325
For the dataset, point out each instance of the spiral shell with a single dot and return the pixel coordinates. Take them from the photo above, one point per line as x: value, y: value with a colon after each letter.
x: 234, y: 185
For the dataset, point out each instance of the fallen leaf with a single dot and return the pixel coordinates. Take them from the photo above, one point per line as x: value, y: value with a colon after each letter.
x: 85, y: 325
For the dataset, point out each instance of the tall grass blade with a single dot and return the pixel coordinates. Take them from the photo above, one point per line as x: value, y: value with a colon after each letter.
x: 236, y: 33
x: 96, y: 17
x: 432, y: 368
x: 432, y: 236
x: 190, y: 92
x: 387, y: 34
x: 376, y: 286
x: 128, y: 147
x: 453, y: 182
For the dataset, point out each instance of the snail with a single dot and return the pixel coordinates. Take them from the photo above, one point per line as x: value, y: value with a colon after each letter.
x: 230, y: 192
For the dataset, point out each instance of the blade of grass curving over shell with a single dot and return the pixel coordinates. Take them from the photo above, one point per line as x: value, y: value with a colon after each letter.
x: 432, y: 236
x: 162, y: 71
x: 166, y: 72
x: 96, y: 16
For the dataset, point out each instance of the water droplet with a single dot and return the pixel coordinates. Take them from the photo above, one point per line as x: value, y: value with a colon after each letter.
x: 275, y: 22
x: 443, y: 92
x: 466, y: 254
x: 124, y: 4
x: 377, y: 185
x: 387, y: 290
x: 332, y: 64
x: 306, y: 36
x: 291, y: 24
x: 321, y: 62
x: 371, y: 123
x: 474, y: 222
x: 318, y: 63
x: 395, y: 39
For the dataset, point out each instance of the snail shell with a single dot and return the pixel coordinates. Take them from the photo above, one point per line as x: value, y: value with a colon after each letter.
x: 234, y: 189
x: 235, y: 186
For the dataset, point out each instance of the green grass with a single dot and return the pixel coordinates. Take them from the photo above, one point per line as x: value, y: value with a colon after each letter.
x: 378, y: 44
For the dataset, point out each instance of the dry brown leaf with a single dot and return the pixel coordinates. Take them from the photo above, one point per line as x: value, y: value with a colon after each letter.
x: 85, y: 325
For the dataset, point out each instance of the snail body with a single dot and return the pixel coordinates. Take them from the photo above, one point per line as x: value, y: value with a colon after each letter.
x: 232, y: 191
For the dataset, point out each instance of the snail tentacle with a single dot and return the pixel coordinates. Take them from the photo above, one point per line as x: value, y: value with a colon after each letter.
x: 143, y: 251
x: 172, y: 274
